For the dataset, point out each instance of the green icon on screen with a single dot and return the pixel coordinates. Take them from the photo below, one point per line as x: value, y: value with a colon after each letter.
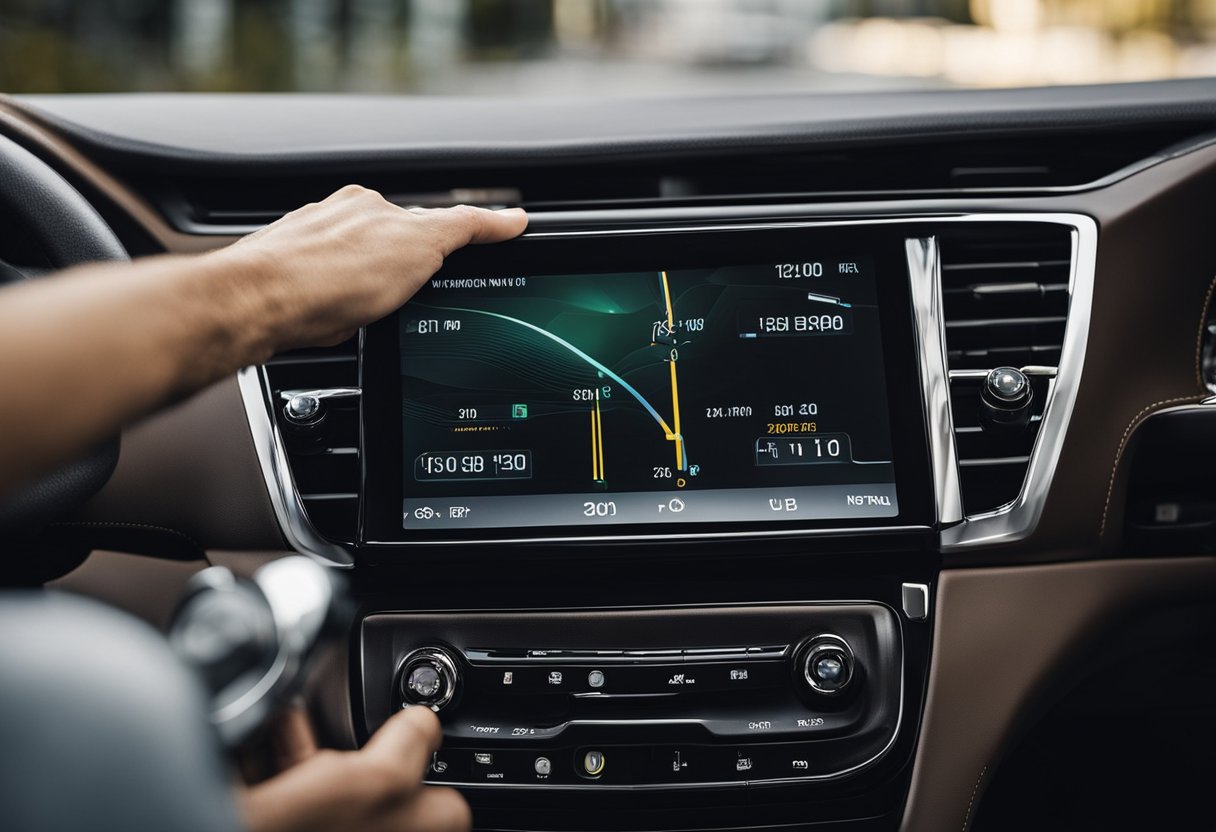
x: 519, y: 411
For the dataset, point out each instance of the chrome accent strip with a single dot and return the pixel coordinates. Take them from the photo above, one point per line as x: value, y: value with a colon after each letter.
x: 776, y: 533
x: 1032, y: 370
x: 1018, y: 519
x: 916, y: 601
x: 1007, y: 524
x: 925, y: 276
x: 323, y: 393
x: 994, y: 460
x: 284, y: 497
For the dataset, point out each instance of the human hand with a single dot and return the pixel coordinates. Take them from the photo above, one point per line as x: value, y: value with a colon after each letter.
x: 322, y: 271
x: 376, y: 789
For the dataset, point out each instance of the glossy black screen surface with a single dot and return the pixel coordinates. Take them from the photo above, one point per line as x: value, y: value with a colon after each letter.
x: 645, y: 390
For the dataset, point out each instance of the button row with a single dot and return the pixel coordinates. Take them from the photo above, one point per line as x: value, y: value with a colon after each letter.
x: 699, y: 654
x: 631, y: 765
x: 683, y: 677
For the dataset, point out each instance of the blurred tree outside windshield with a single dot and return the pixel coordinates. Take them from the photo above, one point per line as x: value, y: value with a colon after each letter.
x: 594, y: 47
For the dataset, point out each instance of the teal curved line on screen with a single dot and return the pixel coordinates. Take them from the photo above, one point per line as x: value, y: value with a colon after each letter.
x: 597, y: 365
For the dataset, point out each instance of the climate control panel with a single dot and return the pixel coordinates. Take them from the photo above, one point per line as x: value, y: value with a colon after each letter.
x: 650, y: 698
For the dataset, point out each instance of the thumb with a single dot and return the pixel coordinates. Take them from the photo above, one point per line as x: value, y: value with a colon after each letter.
x: 458, y: 227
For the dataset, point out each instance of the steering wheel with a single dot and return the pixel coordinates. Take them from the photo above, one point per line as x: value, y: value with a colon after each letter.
x: 39, y: 203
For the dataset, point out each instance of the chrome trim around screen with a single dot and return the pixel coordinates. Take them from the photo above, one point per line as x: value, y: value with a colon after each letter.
x: 1007, y: 524
x: 925, y: 274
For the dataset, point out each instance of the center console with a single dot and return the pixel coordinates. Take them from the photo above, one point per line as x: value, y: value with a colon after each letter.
x: 707, y: 697
x: 650, y: 513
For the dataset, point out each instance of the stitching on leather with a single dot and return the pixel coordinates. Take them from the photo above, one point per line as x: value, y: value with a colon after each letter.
x: 1139, y: 417
x: 1207, y: 303
x: 971, y: 803
x: 102, y: 524
x: 1114, y: 468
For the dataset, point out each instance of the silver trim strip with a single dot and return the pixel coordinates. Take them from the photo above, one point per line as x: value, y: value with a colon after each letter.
x: 1004, y: 525
x: 1033, y: 370
x: 924, y: 271
x: 284, y: 496
x: 916, y: 601
x: 323, y: 393
x: 777, y: 533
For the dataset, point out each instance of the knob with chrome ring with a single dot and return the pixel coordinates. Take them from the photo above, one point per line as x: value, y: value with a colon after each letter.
x: 1005, y: 399
x: 428, y: 676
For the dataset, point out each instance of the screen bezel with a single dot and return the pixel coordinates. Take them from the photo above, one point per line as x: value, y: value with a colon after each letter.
x: 381, y: 495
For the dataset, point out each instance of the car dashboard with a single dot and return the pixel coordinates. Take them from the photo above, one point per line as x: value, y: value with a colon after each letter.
x: 805, y: 456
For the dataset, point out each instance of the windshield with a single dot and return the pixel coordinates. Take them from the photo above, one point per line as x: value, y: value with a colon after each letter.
x: 595, y: 47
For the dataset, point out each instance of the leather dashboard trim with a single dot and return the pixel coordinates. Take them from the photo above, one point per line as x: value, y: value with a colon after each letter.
x: 410, y: 131
x: 82, y: 171
x: 1001, y: 637
x: 192, y: 468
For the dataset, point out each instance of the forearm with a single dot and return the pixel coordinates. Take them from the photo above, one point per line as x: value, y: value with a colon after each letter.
x: 87, y: 351
x: 84, y: 352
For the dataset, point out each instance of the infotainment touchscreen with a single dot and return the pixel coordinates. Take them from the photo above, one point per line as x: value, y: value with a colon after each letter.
x: 752, y: 394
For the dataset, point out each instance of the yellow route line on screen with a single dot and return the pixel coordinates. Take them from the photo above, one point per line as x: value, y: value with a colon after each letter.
x: 595, y: 468
x: 599, y: 436
x: 676, y: 434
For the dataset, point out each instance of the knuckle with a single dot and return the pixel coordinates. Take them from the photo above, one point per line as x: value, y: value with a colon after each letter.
x: 466, y: 214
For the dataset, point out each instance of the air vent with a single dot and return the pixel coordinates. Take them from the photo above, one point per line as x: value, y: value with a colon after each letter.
x: 1005, y: 298
x: 324, y: 461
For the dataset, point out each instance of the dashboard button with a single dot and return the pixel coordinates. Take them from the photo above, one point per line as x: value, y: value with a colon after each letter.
x: 696, y: 764
x: 429, y: 676
x: 448, y: 766
x: 827, y: 665
x: 785, y: 761
x: 499, y: 766
x: 593, y: 763
x: 780, y: 725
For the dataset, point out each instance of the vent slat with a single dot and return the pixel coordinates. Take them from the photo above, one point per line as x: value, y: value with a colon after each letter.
x: 1005, y: 292
x: 325, y: 468
x: 991, y: 322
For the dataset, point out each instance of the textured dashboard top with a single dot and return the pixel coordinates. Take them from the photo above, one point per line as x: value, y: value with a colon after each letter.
x: 200, y: 129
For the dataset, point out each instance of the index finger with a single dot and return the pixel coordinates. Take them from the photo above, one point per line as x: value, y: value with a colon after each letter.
x: 408, y: 740
x: 463, y: 225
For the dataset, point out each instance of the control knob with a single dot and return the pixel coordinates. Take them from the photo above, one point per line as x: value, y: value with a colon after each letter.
x: 428, y: 676
x: 304, y: 411
x: 826, y: 665
x: 1005, y: 399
